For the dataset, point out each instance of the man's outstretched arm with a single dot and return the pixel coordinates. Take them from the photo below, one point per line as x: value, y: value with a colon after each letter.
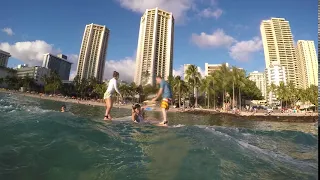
x: 158, y: 94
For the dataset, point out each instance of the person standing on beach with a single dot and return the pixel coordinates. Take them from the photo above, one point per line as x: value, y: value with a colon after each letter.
x: 165, y: 92
x: 112, y: 86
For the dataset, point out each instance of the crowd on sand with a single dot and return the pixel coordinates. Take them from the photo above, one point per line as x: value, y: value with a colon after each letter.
x: 244, y: 111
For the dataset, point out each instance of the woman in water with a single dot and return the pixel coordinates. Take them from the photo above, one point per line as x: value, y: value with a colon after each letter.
x: 137, y: 113
x: 112, y: 86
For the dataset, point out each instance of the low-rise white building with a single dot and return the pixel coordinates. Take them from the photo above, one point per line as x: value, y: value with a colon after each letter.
x: 260, y: 79
x: 35, y: 72
x: 210, y: 68
x: 275, y: 74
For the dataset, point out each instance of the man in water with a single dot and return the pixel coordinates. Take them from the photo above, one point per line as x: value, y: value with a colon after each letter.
x: 165, y: 92
x: 63, y: 108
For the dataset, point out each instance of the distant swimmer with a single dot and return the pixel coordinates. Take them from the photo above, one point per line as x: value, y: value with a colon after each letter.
x: 137, y: 113
x: 63, y: 108
x: 166, y: 93
x: 112, y: 87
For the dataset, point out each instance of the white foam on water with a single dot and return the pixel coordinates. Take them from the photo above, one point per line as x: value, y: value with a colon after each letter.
x: 178, y: 125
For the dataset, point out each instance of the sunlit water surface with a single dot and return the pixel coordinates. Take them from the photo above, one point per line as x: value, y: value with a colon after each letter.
x: 39, y: 142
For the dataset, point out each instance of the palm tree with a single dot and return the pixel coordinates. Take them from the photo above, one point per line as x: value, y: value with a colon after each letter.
x: 177, y: 82
x: 207, y: 87
x: 80, y: 85
x: 184, y: 90
x: 241, y: 83
x: 193, y: 78
x: 282, y: 93
x: 272, y: 89
x: 224, y: 76
x: 26, y: 81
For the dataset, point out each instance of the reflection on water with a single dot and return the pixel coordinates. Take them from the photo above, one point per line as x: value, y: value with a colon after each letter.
x: 39, y: 142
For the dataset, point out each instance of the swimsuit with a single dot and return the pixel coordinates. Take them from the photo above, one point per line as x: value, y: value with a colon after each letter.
x: 165, y: 103
x: 139, y: 118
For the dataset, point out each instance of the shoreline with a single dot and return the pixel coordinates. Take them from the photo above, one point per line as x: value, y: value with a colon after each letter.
x: 280, y: 117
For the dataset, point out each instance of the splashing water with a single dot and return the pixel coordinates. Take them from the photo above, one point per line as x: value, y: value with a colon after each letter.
x: 39, y: 142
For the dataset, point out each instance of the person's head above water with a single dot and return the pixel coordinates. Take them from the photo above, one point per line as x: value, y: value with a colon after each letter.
x: 63, y: 108
x: 115, y: 75
x: 136, y: 108
x: 158, y: 79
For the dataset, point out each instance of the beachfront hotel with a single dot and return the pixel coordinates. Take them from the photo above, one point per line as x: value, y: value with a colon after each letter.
x: 278, y: 46
x: 210, y: 68
x: 307, y: 63
x: 93, y: 52
x: 4, y: 57
x: 275, y: 74
x: 260, y: 79
x: 36, y: 73
x: 155, y: 46
x: 59, y: 64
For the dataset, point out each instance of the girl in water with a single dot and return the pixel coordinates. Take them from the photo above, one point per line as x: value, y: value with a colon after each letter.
x: 137, y: 113
x: 112, y: 86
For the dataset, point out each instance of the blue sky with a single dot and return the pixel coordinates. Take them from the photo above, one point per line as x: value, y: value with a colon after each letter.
x: 213, y: 31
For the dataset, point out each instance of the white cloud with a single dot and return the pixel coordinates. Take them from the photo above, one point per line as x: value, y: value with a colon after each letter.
x: 238, y: 50
x: 178, y: 72
x: 125, y: 67
x: 208, y: 13
x: 202, y: 72
x: 217, y: 39
x: 179, y: 8
x: 30, y: 52
x: 8, y: 31
x: 242, y: 50
x: 294, y: 41
x: 74, y: 59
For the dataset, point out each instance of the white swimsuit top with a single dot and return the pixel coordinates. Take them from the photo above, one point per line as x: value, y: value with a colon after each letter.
x: 113, y: 86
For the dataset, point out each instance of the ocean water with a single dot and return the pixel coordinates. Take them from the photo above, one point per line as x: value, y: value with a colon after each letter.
x: 39, y: 142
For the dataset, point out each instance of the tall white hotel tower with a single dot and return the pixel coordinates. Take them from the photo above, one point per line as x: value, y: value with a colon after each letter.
x: 155, y: 46
x: 278, y: 46
x: 93, y: 52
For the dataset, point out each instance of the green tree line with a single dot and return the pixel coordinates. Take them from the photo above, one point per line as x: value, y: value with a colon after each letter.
x: 223, y: 86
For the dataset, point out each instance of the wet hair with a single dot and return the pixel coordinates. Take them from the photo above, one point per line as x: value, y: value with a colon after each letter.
x: 63, y: 106
x: 115, y: 74
x: 135, y: 106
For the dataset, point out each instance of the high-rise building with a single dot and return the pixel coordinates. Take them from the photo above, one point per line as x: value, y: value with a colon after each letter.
x: 155, y: 46
x: 275, y: 74
x: 307, y: 63
x: 260, y: 79
x: 210, y: 68
x: 278, y: 46
x: 4, y: 56
x: 59, y: 64
x: 93, y: 52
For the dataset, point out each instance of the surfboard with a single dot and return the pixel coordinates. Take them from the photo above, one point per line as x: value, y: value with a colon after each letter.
x: 125, y: 118
x: 148, y: 108
x: 160, y: 125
